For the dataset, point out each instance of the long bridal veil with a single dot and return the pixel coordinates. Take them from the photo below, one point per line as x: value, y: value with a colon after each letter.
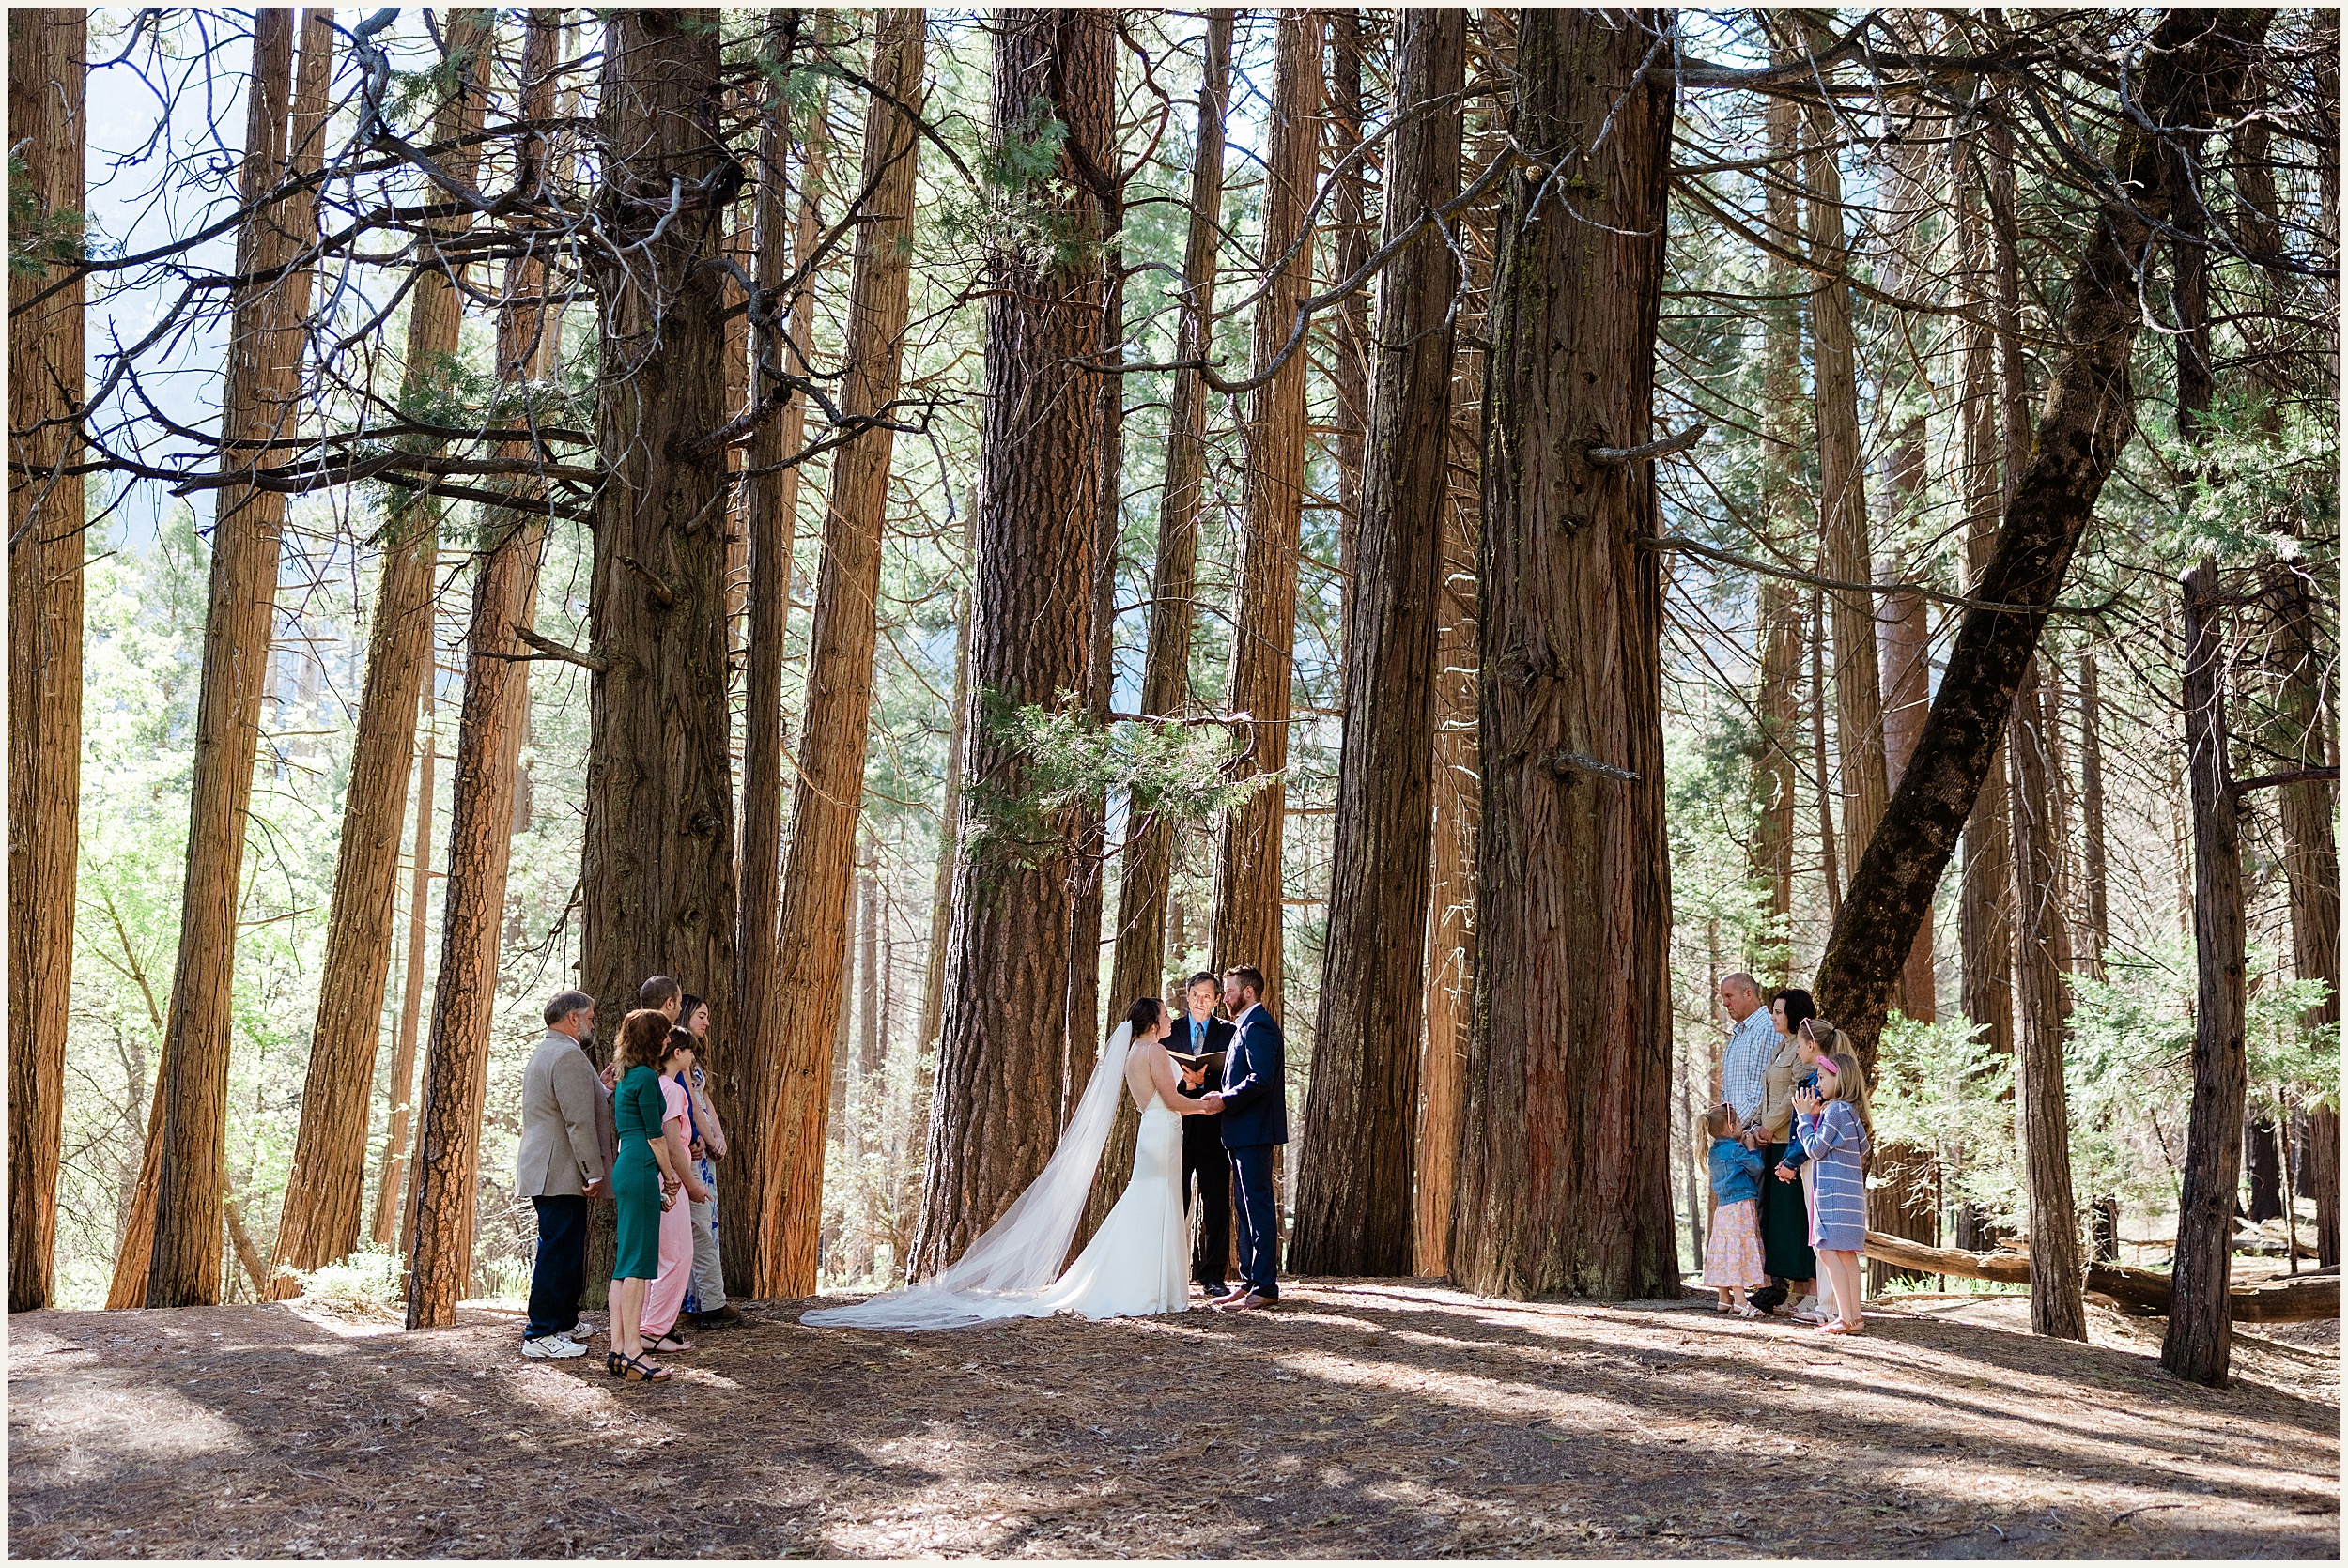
x: 1021, y: 1253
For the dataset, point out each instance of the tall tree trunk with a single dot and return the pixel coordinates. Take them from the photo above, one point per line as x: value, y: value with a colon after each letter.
x: 659, y: 881
x: 1451, y: 869
x: 2198, y: 1344
x: 753, y: 1083
x: 1148, y: 851
x: 319, y: 1222
x: 1984, y: 929
x: 262, y: 389
x: 1354, y: 1188
x: 949, y: 819
x: 868, y: 1044
x: 49, y: 131
x: 827, y: 797
x: 1906, y: 641
x: 1246, y: 923
x: 1349, y: 326
x: 1564, y: 1182
x: 482, y: 795
x: 2192, y: 66
x: 2042, y: 1008
x: 1843, y: 491
x: 391, y: 1189
x: 1004, y: 1046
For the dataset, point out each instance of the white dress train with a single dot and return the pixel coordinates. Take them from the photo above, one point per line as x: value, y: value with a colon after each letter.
x: 1136, y: 1264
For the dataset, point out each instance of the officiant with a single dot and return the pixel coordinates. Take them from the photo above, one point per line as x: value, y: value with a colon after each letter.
x: 1206, y: 1167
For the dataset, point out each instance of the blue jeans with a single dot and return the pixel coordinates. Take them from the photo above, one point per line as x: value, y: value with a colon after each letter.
x: 1259, y: 1220
x: 558, y: 1277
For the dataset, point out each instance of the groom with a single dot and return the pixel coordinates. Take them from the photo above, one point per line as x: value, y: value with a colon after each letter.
x: 1255, y: 1121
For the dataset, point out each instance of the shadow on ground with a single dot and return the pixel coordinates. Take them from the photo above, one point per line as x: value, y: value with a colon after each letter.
x: 1363, y: 1420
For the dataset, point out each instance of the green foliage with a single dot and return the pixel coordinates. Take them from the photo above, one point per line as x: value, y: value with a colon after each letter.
x: 1939, y: 1088
x: 38, y: 238
x: 1175, y: 770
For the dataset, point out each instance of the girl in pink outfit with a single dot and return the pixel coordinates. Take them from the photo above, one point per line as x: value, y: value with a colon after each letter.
x: 666, y: 1295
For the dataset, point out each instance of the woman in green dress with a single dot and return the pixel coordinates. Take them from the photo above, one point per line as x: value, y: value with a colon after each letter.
x: 643, y: 1186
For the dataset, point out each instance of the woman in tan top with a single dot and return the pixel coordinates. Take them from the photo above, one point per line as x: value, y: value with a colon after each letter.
x: 1785, y: 1211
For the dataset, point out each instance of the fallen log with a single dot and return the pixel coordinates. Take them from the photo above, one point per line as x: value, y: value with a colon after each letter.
x: 2300, y: 1298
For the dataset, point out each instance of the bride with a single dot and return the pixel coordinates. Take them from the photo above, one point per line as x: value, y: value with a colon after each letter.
x: 1136, y: 1264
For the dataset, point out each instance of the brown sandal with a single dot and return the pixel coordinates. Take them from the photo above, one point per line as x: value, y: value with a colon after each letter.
x: 642, y: 1371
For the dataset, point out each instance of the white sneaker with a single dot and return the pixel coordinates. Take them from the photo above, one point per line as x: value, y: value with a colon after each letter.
x: 581, y: 1330
x: 553, y: 1347
x: 1809, y: 1311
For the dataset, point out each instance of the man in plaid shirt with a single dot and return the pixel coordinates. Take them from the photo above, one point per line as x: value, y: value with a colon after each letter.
x: 1745, y: 1059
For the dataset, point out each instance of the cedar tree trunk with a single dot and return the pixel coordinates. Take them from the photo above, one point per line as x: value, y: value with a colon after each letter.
x: 1564, y: 1179
x: 994, y: 1113
x: 1354, y: 1189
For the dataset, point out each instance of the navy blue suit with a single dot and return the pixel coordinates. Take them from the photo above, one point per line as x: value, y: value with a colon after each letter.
x: 1254, y: 1122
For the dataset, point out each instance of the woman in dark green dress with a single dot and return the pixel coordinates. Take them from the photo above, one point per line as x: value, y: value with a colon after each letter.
x: 641, y: 1187
x: 1785, y: 1209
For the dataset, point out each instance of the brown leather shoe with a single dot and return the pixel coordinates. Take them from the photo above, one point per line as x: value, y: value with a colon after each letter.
x: 1249, y: 1301
x: 1228, y: 1296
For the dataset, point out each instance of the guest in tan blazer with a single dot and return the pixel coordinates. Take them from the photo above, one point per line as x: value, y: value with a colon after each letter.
x: 563, y: 1163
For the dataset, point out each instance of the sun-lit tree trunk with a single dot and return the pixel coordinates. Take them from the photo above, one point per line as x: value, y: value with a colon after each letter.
x: 1353, y: 1186
x: 1779, y: 634
x: 285, y: 136
x: 1451, y: 864
x: 1563, y: 1179
x: 1843, y: 488
x: 827, y: 796
x: 758, y: 1182
x: 319, y: 1222
x: 1003, y: 1049
x: 49, y: 134
x: 391, y: 1186
x: 2198, y: 1344
x: 2192, y: 67
x: 1246, y: 922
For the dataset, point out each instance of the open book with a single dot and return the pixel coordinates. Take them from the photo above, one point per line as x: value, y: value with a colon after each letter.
x: 1190, y: 1063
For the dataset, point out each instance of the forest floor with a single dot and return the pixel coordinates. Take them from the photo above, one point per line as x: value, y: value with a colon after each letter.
x: 1361, y: 1420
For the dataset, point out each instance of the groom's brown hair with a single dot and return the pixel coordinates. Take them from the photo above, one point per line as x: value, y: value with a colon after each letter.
x: 1248, y: 975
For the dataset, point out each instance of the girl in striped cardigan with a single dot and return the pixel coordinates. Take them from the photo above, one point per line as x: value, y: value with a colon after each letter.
x: 1828, y: 1124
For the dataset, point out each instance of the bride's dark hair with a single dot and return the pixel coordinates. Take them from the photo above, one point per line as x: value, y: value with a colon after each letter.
x: 1144, y: 1015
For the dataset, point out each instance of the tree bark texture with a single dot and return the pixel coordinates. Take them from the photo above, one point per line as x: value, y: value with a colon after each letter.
x: 1451, y: 862
x: 2190, y: 70
x: 319, y: 1222
x: 1353, y: 1181
x: 1003, y: 1050
x: 1564, y: 1180
x: 2042, y: 966
x: 263, y: 386
x: 948, y: 822
x: 1247, y: 918
x: 1842, y: 489
x: 827, y: 799
x: 49, y: 131
x: 758, y: 1182
x: 2200, y: 1342
x: 1904, y: 639
x: 2094, y: 862
x: 390, y: 1187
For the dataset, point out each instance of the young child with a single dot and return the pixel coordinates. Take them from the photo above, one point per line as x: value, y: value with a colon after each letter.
x: 1732, y: 1249
x: 1827, y: 1121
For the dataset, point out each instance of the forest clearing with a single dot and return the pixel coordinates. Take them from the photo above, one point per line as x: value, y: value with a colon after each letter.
x: 1390, y: 1418
x: 1528, y: 670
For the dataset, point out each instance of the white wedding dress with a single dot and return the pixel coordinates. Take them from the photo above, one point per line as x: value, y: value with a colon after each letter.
x: 1135, y: 1265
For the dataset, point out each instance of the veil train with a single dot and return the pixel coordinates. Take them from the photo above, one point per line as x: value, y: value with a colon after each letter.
x: 1014, y: 1264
